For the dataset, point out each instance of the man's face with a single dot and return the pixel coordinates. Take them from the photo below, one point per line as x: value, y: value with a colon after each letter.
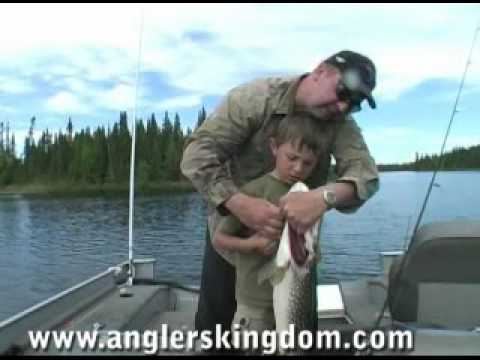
x: 292, y: 163
x: 321, y: 99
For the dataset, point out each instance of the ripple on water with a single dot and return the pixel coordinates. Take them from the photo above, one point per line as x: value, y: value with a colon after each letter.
x: 51, y: 244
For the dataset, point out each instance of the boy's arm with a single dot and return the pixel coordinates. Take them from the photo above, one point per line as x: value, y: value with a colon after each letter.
x: 233, y: 243
x: 254, y: 243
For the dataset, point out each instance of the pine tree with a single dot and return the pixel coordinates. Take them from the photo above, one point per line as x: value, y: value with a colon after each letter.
x: 101, y: 155
x: 202, y: 116
x: 70, y: 129
x: 153, y: 147
x: 12, y: 146
x: 2, y: 146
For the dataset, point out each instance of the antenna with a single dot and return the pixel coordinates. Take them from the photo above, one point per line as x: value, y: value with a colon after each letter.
x: 432, y: 181
x: 454, y: 111
x: 7, y: 138
x: 1, y: 137
x: 405, y: 244
x: 132, y: 160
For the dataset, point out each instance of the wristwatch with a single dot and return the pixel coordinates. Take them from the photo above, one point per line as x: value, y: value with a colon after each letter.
x: 330, y: 198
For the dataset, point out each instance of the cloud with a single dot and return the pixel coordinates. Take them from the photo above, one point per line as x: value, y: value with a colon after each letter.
x: 7, y: 109
x: 66, y: 103
x: 198, y: 36
x: 201, y: 51
x: 76, y: 85
x: 120, y: 97
x: 82, y: 58
x: 186, y: 101
x: 403, y: 60
x: 15, y: 86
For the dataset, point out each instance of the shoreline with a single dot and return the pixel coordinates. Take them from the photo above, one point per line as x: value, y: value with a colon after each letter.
x: 183, y: 186
x: 63, y: 188
x: 431, y: 170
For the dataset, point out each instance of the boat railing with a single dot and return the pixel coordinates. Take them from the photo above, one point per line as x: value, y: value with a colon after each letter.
x: 54, y: 311
x: 60, y: 308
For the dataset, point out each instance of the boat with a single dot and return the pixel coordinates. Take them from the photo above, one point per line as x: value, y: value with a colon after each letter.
x: 435, y: 298
x: 436, y: 301
x: 104, y: 302
x: 426, y: 296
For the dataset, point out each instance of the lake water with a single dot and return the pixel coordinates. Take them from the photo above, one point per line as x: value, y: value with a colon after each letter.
x: 50, y: 244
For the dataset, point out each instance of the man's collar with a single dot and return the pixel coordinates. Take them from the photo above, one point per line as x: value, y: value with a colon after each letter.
x: 287, y: 103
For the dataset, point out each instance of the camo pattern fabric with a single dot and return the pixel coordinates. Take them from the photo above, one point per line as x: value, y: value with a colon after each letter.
x: 231, y: 147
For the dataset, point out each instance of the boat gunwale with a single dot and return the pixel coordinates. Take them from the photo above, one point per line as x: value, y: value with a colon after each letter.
x: 50, y: 300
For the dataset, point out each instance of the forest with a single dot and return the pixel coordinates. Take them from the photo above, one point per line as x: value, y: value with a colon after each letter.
x: 459, y: 158
x: 97, y: 156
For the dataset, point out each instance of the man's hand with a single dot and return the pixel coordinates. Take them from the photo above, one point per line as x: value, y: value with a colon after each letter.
x: 303, y: 209
x: 257, y: 214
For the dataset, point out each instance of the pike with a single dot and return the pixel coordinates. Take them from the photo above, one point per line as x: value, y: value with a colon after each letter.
x: 289, y: 272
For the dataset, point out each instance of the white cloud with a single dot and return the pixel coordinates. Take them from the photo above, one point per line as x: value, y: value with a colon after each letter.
x: 179, y: 102
x: 15, y: 86
x: 6, y: 109
x: 66, y: 103
x: 57, y: 26
x: 408, y: 42
x: 77, y: 85
x: 79, y: 50
x: 120, y: 97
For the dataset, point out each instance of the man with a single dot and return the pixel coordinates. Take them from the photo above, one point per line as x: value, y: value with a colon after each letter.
x: 231, y: 148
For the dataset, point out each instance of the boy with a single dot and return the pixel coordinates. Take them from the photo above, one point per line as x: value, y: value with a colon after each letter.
x: 295, y: 145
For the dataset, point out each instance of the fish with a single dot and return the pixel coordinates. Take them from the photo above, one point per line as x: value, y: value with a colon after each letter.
x: 290, y: 273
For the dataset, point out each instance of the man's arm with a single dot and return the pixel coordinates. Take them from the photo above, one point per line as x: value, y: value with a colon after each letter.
x: 303, y: 209
x: 205, y: 161
x: 211, y: 146
x: 354, y: 165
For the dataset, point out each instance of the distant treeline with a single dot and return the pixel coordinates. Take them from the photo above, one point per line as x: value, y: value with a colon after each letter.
x: 101, y: 156
x: 459, y: 158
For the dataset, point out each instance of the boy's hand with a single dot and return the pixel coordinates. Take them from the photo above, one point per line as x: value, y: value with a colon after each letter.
x: 264, y: 246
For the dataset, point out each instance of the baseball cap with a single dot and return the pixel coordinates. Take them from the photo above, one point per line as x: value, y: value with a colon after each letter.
x: 358, y: 73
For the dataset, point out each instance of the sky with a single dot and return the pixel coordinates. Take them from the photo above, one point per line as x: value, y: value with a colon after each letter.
x: 80, y: 61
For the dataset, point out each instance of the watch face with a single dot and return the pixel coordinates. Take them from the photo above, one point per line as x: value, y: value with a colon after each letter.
x: 330, y: 198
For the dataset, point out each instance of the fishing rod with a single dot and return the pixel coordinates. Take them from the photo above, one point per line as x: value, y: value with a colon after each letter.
x: 131, y: 271
x: 401, y: 267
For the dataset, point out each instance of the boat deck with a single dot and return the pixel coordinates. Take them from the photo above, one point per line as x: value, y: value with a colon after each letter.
x: 147, y: 307
x: 149, y: 311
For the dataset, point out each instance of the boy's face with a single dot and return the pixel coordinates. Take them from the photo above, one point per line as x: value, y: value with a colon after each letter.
x: 292, y: 164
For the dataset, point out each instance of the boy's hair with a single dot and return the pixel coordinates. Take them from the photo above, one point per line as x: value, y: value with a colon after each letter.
x: 300, y: 131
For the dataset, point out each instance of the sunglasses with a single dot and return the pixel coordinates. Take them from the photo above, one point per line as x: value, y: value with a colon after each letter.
x: 348, y: 90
